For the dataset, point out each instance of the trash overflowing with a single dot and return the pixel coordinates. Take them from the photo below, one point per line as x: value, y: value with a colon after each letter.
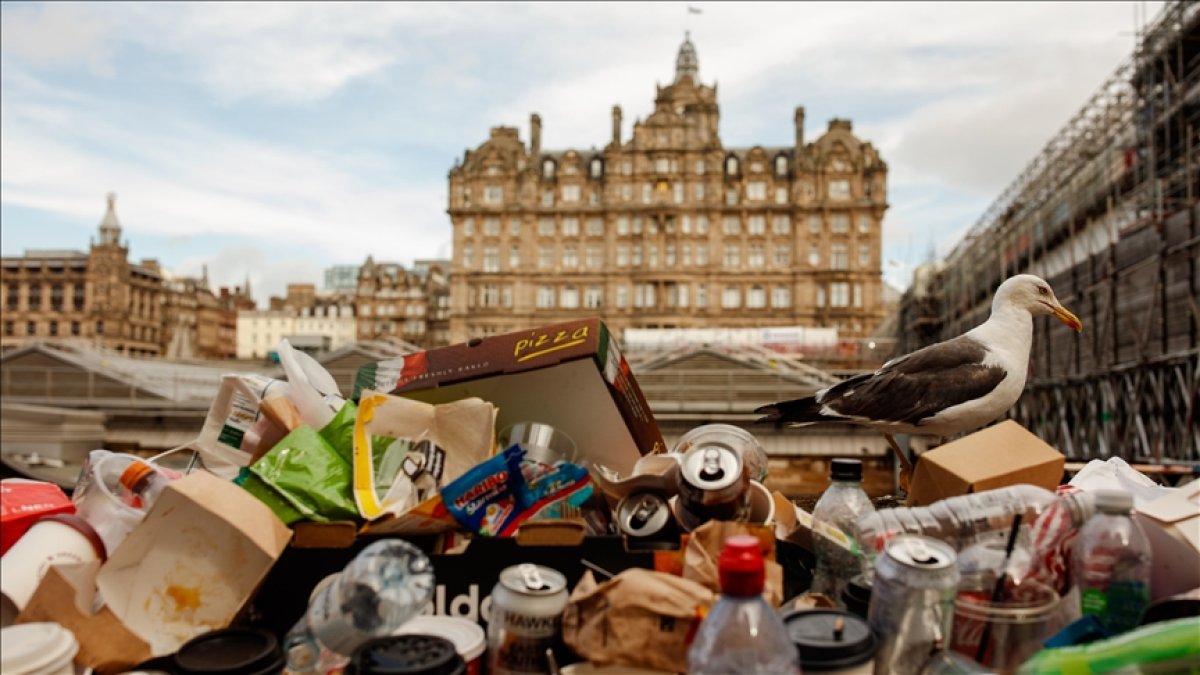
x: 510, y: 506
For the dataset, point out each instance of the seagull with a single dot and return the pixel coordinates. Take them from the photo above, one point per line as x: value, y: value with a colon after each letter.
x: 947, y: 388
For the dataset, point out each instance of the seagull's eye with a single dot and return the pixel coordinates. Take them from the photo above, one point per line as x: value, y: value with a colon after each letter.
x: 1042, y: 290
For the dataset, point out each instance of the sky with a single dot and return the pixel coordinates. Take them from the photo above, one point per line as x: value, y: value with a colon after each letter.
x: 269, y: 141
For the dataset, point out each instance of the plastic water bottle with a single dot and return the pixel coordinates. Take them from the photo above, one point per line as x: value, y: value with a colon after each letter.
x: 742, y: 633
x: 956, y: 520
x: 841, y: 506
x: 387, y: 584
x: 1111, y: 563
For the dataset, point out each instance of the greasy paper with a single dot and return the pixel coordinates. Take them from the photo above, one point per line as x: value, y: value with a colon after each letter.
x: 193, y: 562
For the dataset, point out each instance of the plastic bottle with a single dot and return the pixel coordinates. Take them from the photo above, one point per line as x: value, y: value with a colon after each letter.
x: 955, y: 520
x: 1111, y: 563
x: 841, y: 506
x: 144, y: 484
x: 1052, y: 535
x: 742, y: 633
x: 387, y: 584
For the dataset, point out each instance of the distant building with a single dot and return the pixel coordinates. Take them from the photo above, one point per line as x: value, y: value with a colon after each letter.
x: 341, y: 279
x: 98, y: 296
x: 319, y: 328
x: 669, y: 229
x: 397, y: 304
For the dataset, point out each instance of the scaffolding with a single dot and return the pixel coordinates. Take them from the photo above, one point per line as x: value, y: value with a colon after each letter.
x: 1106, y: 213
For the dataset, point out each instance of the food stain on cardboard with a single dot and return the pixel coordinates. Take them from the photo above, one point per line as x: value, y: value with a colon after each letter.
x: 185, y: 597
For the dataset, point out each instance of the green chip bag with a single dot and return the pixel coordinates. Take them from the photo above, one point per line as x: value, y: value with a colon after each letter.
x: 305, y: 476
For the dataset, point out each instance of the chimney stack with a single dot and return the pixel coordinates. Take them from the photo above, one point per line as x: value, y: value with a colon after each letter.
x: 616, y: 129
x: 535, y: 135
x: 799, y: 127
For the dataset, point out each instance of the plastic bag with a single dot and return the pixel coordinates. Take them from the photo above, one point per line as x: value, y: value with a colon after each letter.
x: 303, y: 477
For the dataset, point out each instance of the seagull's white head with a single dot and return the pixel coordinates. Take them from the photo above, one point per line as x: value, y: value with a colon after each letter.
x: 1031, y: 293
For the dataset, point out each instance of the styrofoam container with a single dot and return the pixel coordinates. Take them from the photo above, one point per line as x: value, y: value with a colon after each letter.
x: 468, y: 637
x: 37, y: 649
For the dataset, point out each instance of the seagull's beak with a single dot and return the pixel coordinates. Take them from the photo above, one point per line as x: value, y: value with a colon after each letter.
x: 1067, y: 317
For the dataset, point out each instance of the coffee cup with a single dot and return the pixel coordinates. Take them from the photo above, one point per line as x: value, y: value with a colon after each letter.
x: 53, y: 540
x: 832, y: 641
x: 44, y: 648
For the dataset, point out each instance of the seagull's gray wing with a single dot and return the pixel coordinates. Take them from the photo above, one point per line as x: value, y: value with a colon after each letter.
x: 917, y: 386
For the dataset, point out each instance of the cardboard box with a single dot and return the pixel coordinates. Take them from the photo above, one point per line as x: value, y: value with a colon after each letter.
x: 571, y: 376
x: 998, y: 456
x: 188, y: 568
x: 1172, y: 524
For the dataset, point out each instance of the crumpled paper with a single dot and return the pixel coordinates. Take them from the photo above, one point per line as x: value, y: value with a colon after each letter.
x: 704, y: 549
x: 639, y: 618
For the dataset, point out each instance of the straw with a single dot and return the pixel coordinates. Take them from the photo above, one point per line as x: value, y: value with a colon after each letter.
x: 998, y: 589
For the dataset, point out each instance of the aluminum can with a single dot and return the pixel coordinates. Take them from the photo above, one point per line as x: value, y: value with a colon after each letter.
x: 712, y: 485
x: 525, y: 619
x: 912, y: 602
x: 646, y: 520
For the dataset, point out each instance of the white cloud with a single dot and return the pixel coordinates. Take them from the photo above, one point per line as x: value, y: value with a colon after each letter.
x: 957, y: 96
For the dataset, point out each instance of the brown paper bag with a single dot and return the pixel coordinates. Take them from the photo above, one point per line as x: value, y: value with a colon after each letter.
x: 704, y: 548
x: 639, y: 618
x: 105, y: 644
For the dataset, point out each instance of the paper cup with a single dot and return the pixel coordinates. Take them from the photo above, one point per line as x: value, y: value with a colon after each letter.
x: 468, y: 638
x: 53, y: 540
x: 37, y: 648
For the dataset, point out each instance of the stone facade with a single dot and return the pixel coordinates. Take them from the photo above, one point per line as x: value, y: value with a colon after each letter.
x: 99, y: 296
x: 410, y: 305
x: 668, y: 228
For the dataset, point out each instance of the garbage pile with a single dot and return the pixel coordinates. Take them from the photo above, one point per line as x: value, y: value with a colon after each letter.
x: 507, y: 468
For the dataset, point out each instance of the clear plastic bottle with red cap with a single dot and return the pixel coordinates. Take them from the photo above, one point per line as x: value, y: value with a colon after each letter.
x: 742, y: 632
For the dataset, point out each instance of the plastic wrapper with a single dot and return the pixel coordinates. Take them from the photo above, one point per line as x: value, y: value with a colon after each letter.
x: 303, y: 477
x: 487, y: 498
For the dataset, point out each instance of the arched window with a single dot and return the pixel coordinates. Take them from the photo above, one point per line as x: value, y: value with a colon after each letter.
x: 547, y: 168
x: 781, y: 165
x: 731, y: 166
x: 597, y: 167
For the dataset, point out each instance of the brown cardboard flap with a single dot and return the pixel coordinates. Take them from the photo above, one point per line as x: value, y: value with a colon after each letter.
x: 335, y: 534
x: 998, y: 456
x: 193, y: 562
x: 105, y: 644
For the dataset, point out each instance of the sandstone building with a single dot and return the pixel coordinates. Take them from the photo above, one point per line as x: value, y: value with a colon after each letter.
x: 99, y: 296
x: 669, y: 228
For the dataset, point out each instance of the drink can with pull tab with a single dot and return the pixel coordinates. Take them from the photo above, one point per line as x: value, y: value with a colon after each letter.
x: 912, y: 601
x: 525, y: 619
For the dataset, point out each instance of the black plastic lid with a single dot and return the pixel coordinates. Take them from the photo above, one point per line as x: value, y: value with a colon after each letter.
x: 814, y: 632
x: 857, y: 595
x: 231, y: 650
x: 847, y: 469
x: 406, y: 655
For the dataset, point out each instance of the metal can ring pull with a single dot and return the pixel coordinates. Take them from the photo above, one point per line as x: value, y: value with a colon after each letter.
x: 711, y: 470
x: 532, y: 577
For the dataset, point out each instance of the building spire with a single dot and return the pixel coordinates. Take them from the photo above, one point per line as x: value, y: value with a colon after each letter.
x: 687, y: 63
x: 110, y: 227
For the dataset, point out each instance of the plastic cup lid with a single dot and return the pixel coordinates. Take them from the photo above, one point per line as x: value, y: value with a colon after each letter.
x: 406, y: 655
x: 468, y: 637
x: 32, y: 647
x: 829, y: 639
x: 231, y: 650
x: 847, y: 469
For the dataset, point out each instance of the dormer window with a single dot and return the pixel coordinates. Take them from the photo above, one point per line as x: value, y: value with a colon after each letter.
x: 781, y: 167
x: 548, y: 169
x: 597, y: 168
x: 731, y: 166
